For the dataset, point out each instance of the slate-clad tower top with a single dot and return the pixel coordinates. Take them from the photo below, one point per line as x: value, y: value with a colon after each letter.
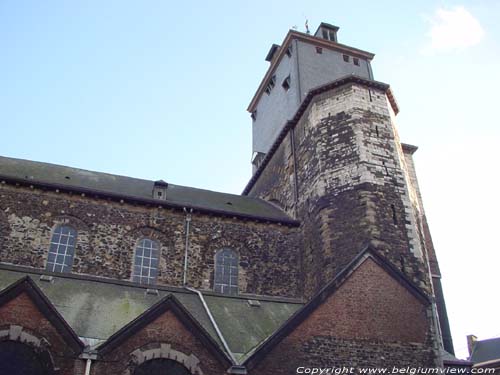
x: 301, y: 63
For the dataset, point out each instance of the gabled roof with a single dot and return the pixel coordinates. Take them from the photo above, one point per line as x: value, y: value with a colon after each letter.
x: 26, y: 285
x: 486, y: 350
x: 301, y: 315
x: 96, y: 308
x: 168, y: 303
x: 64, y: 178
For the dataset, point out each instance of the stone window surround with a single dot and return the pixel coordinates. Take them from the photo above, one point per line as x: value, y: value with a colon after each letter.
x: 163, y: 351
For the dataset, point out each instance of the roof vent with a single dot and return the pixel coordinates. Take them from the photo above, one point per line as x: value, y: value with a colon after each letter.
x: 47, y: 278
x: 153, y: 292
x: 254, y: 303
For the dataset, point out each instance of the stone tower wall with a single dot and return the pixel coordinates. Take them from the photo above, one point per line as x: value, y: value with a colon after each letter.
x: 341, y: 171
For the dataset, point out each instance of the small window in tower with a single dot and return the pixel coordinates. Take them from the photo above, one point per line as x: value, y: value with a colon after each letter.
x: 331, y: 34
x: 355, y: 60
x: 289, y: 51
x: 254, y: 115
x: 270, y: 85
x: 319, y: 50
x: 325, y: 34
x: 286, y: 83
x: 346, y: 58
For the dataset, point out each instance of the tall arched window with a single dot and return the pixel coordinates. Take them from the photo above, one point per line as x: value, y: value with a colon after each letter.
x: 62, y: 249
x: 146, y: 261
x: 226, y: 271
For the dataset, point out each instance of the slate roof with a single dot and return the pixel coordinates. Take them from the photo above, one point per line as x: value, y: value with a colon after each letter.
x: 97, y: 308
x: 486, y: 350
x: 135, y: 189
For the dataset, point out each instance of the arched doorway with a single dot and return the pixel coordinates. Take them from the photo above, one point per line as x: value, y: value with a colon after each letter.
x: 20, y: 359
x: 161, y: 366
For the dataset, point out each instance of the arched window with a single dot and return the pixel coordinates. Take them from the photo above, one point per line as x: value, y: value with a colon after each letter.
x: 62, y: 249
x: 226, y: 272
x: 146, y: 261
x: 161, y: 366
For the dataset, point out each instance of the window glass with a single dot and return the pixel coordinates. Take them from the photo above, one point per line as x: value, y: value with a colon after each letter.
x: 62, y: 249
x: 146, y: 261
x: 226, y: 272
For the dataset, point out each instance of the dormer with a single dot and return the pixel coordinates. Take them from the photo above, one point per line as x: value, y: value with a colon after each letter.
x: 327, y: 31
x: 160, y: 190
x: 272, y: 52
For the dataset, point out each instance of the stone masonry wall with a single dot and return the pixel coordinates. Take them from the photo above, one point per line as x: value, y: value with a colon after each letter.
x: 107, y: 233
x: 352, y: 185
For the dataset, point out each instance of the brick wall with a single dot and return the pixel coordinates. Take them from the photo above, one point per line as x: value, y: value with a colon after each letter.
x: 165, y: 329
x: 108, y: 232
x: 22, y: 312
x: 370, y: 321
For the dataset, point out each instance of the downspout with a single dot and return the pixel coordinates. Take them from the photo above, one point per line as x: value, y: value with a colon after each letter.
x: 234, y: 363
x: 188, y: 222
x: 87, y: 366
x: 212, y: 320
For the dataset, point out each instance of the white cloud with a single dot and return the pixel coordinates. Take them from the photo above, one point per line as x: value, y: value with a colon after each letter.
x: 453, y: 29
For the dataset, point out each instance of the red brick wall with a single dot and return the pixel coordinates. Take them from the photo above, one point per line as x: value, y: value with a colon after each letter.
x: 21, y: 311
x: 166, y: 329
x: 371, y: 320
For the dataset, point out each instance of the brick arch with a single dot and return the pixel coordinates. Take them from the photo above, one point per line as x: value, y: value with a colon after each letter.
x: 71, y: 220
x: 150, y: 232
x: 162, y: 351
x: 38, y: 344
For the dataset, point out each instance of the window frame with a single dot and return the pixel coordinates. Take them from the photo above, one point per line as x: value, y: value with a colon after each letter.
x: 69, y: 249
x: 150, y: 278
x: 231, y: 287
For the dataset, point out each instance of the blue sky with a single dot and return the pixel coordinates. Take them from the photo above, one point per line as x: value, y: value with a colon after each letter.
x: 159, y: 90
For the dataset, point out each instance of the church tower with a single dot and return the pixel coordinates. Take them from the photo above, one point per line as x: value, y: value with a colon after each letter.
x: 326, y: 150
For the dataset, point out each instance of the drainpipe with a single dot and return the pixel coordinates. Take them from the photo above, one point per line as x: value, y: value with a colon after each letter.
x: 188, y: 222
x: 87, y: 366
x: 214, y: 323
